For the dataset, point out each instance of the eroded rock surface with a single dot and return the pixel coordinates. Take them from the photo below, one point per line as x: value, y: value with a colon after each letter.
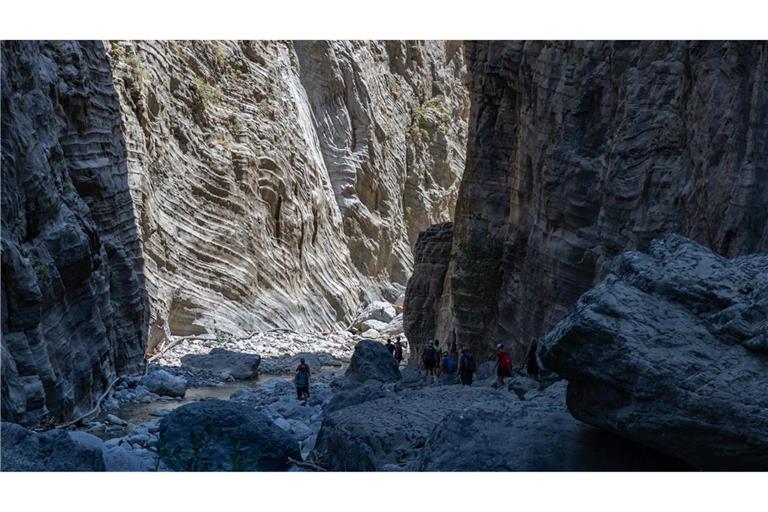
x: 659, y: 352
x: 57, y: 450
x: 281, y: 184
x: 74, y: 308
x: 579, y: 151
x: 218, y: 435
x: 536, y: 434
x: 426, y: 294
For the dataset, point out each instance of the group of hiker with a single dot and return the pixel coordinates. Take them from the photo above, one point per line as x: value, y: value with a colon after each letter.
x: 437, y: 362
x: 396, y: 349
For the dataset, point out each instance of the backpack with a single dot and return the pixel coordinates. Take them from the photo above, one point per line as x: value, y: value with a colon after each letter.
x: 468, y: 363
x: 302, y: 377
x: 450, y: 365
x: 429, y: 354
x: 398, y: 351
x: 505, y: 364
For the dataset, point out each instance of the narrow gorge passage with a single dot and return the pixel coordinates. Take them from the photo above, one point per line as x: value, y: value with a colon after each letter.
x: 490, y: 255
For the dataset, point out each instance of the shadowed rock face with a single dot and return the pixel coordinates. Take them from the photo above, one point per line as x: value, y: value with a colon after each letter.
x: 662, y: 352
x: 218, y: 435
x: 278, y: 184
x: 425, y: 294
x: 74, y: 308
x: 579, y: 151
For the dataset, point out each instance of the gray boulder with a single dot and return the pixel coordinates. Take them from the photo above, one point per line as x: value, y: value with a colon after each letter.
x: 534, y: 435
x: 388, y: 433
x: 124, y: 457
x: 163, y: 383
x: 372, y: 361
x: 227, y: 363
x: 661, y: 352
x: 353, y: 396
x: 56, y: 450
x: 217, y: 435
x: 379, y: 311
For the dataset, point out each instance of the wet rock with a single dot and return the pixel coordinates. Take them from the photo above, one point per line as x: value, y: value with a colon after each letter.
x: 372, y: 360
x: 56, y: 450
x: 217, y: 435
x: 226, y: 363
x: 658, y: 353
x: 163, y: 383
x: 534, y: 435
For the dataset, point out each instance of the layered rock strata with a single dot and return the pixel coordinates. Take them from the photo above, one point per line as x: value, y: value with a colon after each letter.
x: 281, y: 184
x: 74, y: 308
x: 578, y: 151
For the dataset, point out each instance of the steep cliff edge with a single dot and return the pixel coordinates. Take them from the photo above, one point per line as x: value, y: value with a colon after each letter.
x: 282, y: 184
x: 74, y: 308
x: 579, y: 151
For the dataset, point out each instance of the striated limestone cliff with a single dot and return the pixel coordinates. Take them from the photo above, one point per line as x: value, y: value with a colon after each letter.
x: 74, y: 309
x: 579, y: 151
x: 158, y: 187
x: 281, y: 184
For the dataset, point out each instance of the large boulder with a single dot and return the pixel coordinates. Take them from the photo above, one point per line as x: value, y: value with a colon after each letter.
x: 387, y: 433
x: 218, y: 435
x: 537, y: 434
x: 56, y: 450
x: 163, y: 383
x: 226, y: 363
x: 660, y: 352
x: 379, y: 311
x: 372, y: 361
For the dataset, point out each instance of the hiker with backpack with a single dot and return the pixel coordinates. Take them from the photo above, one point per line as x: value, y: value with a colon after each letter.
x: 399, y: 346
x: 503, y: 365
x: 438, y: 359
x: 449, y: 364
x: 428, y: 359
x: 391, y: 347
x: 301, y: 379
x: 467, y: 367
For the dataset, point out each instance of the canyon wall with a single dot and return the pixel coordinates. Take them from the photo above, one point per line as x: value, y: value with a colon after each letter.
x: 579, y: 151
x: 153, y: 188
x: 282, y: 184
x: 74, y: 308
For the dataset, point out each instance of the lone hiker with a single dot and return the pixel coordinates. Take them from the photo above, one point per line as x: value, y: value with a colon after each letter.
x: 301, y: 380
x: 466, y: 367
x: 391, y: 347
x: 503, y: 365
x: 399, y: 345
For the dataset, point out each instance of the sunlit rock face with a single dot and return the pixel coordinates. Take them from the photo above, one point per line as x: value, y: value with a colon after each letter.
x: 74, y: 308
x: 282, y: 184
x: 579, y: 151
